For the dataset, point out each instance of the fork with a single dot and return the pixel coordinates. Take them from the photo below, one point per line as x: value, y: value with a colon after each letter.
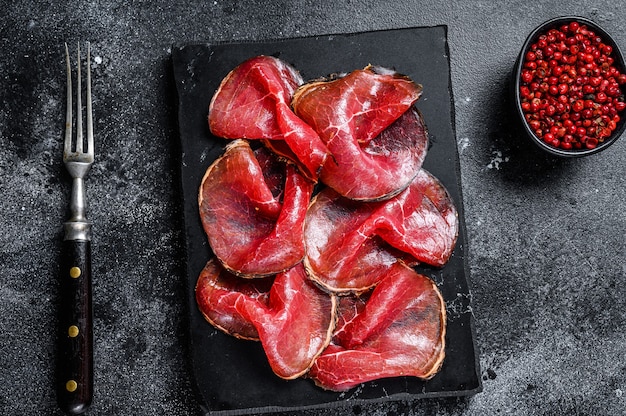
x: 75, y: 355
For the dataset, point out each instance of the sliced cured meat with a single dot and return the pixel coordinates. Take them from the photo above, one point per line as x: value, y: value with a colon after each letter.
x: 422, y: 221
x: 379, y: 214
x: 371, y: 156
x: 398, y: 331
x: 252, y: 208
x: 340, y: 256
x: 350, y: 244
x: 293, y: 319
x: 220, y: 295
x: 297, y: 325
x: 253, y: 102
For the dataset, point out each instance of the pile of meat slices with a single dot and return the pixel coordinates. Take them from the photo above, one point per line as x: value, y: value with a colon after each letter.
x: 317, y: 212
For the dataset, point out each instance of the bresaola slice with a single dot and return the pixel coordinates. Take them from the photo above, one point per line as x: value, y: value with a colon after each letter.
x: 371, y: 157
x: 399, y: 330
x: 350, y: 244
x: 253, y: 102
x: 252, y: 208
x: 220, y: 294
x: 342, y: 255
x: 291, y: 316
x: 297, y: 325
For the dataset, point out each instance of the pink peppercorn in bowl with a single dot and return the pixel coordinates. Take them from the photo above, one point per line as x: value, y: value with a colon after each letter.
x: 569, y: 87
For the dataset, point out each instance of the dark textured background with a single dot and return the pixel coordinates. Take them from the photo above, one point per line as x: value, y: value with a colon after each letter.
x: 546, y: 238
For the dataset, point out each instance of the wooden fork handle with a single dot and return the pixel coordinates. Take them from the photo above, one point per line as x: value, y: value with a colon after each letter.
x: 75, y: 355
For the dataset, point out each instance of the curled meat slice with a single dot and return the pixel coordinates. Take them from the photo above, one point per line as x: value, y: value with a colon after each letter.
x: 372, y: 157
x: 220, y: 294
x: 399, y: 330
x: 297, y: 325
x: 350, y: 244
x: 253, y: 102
x: 294, y: 319
x: 252, y: 208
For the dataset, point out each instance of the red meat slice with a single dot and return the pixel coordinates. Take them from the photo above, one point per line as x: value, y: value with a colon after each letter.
x: 252, y: 208
x: 350, y: 244
x: 220, y: 295
x: 351, y: 115
x: 398, y: 331
x: 253, y: 102
x: 294, y: 321
x: 297, y: 325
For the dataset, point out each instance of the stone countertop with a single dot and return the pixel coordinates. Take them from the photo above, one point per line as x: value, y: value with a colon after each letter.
x: 546, y: 246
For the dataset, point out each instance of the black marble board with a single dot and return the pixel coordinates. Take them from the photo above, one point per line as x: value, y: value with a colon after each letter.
x: 232, y: 376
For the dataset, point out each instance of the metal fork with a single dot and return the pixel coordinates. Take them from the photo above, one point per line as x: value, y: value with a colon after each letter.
x: 75, y: 366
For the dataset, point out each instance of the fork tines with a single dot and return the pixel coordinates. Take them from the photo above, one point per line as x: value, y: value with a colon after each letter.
x: 78, y: 148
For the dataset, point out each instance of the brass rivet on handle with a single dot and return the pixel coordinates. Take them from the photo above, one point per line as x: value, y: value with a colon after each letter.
x: 75, y: 272
x: 72, y: 331
x: 71, y: 386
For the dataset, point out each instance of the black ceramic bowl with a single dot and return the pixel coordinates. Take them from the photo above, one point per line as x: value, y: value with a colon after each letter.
x: 618, y: 63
